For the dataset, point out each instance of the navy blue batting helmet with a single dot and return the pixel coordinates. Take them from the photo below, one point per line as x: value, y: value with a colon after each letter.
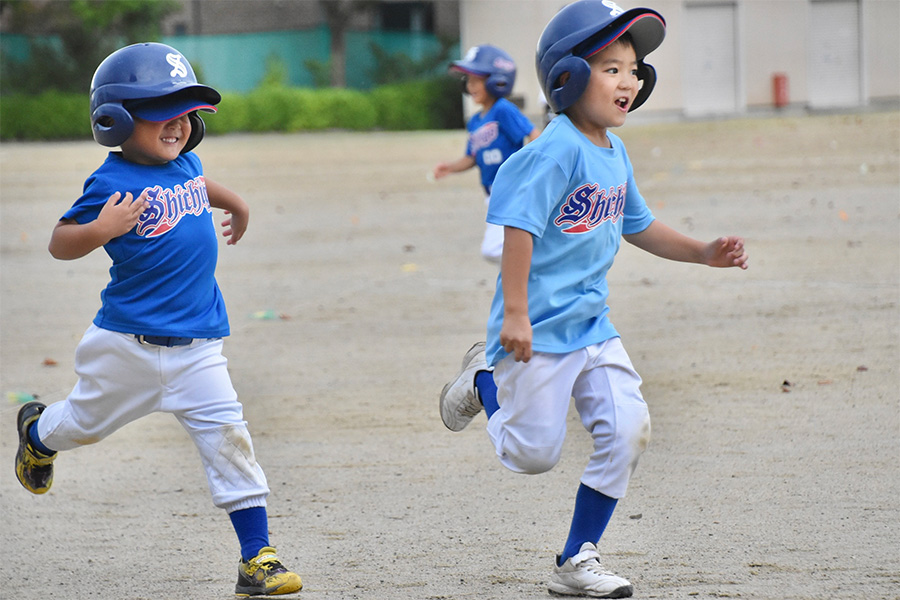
x: 584, y: 28
x: 490, y: 62
x: 147, y: 78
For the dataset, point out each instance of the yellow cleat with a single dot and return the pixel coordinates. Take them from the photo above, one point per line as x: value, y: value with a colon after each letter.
x: 264, y: 575
x: 34, y: 469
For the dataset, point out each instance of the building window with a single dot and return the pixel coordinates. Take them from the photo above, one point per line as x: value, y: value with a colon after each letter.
x: 405, y: 16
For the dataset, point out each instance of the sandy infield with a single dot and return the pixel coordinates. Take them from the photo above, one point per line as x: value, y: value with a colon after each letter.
x: 773, y: 468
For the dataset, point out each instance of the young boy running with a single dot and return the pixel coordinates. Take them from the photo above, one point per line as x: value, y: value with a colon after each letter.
x: 495, y: 132
x: 155, y: 345
x: 565, y: 202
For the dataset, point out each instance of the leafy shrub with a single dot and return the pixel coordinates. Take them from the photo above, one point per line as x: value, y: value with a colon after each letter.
x: 424, y: 104
x: 271, y: 108
x: 51, y: 115
x: 401, y: 106
x: 311, y: 112
x: 349, y: 109
x: 233, y: 114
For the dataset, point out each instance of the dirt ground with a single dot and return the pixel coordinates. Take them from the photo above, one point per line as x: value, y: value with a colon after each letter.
x: 773, y: 469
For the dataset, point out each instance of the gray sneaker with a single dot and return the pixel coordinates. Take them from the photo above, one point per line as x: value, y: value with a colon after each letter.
x: 459, y: 398
x: 583, y: 575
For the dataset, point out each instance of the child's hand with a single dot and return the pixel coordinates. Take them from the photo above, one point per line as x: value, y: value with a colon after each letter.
x: 727, y: 252
x: 515, y: 337
x: 118, y: 218
x: 235, y: 226
x: 441, y: 170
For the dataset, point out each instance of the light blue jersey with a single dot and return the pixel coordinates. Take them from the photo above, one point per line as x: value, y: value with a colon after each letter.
x: 577, y: 200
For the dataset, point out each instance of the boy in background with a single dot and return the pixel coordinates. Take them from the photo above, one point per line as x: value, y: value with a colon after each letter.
x: 495, y: 132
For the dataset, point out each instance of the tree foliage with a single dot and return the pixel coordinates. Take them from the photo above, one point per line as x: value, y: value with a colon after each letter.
x: 69, y: 38
x: 396, y: 67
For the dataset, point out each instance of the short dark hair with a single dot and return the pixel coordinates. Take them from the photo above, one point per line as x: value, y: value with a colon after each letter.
x: 625, y: 38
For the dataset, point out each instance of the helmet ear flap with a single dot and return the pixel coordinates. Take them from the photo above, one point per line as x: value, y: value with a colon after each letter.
x: 499, y: 84
x: 646, y: 74
x: 198, y: 129
x: 563, y: 95
x: 111, y: 124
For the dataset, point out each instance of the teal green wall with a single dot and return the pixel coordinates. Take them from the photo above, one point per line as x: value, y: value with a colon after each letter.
x: 238, y: 62
x: 15, y: 46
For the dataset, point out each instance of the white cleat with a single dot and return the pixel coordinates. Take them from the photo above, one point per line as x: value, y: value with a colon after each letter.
x: 583, y: 575
x: 459, y: 398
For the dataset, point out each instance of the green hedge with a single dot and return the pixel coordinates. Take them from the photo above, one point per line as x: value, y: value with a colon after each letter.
x: 49, y: 116
x: 427, y: 104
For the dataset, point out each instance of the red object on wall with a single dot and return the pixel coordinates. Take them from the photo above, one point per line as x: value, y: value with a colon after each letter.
x: 781, y: 95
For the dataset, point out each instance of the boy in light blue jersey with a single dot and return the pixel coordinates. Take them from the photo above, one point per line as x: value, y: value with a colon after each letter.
x: 495, y: 132
x: 565, y: 202
x: 155, y: 345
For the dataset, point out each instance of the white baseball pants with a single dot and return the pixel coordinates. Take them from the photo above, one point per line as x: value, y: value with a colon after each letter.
x: 121, y: 380
x: 492, y: 242
x: 529, y: 429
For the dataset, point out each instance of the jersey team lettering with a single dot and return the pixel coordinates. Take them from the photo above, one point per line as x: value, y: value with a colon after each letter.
x: 168, y: 206
x: 589, y: 206
x: 484, y: 136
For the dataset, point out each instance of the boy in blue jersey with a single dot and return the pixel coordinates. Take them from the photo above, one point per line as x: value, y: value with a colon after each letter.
x: 566, y: 201
x: 155, y: 345
x: 495, y: 132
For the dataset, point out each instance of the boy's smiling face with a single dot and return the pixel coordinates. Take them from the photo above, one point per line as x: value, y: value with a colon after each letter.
x: 611, y: 89
x: 156, y: 143
x: 477, y: 90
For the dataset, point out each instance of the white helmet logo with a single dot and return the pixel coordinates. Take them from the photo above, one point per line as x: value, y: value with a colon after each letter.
x: 178, y: 68
x: 614, y: 9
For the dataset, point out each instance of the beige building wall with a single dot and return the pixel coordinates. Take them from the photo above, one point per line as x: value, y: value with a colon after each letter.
x: 881, y: 35
x: 515, y: 26
x: 773, y: 40
x: 770, y: 36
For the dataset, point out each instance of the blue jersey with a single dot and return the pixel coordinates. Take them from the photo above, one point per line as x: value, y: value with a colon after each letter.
x: 576, y: 199
x: 494, y: 136
x: 162, y: 278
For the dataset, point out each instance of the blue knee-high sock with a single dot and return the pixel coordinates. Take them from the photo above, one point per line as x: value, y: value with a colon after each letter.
x: 252, y: 528
x: 35, y: 440
x: 487, y: 391
x: 593, y: 511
